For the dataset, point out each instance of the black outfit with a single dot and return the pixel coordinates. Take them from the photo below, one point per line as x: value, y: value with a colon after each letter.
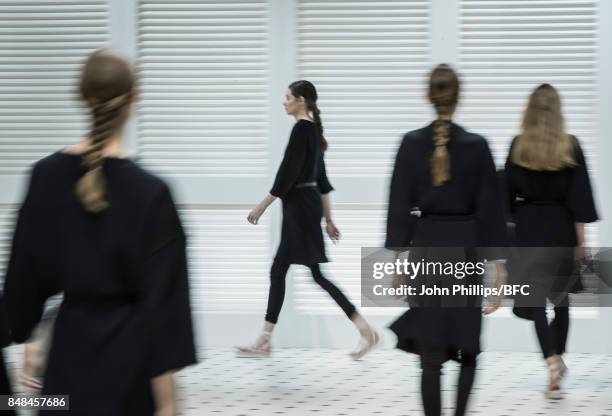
x: 125, y: 317
x: 465, y: 213
x: 300, y: 181
x: 545, y: 206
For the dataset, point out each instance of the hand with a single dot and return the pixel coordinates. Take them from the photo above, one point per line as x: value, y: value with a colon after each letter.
x: 255, y: 213
x: 490, y: 309
x: 579, y: 253
x: 332, y: 231
x: 29, y: 375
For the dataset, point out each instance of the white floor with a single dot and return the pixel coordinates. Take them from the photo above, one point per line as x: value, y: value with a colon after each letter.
x: 328, y: 382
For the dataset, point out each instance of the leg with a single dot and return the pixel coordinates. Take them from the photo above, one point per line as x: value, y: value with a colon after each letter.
x: 276, y: 296
x: 559, y: 327
x: 431, y: 364
x: 466, y: 381
x: 543, y: 331
x: 347, y: 307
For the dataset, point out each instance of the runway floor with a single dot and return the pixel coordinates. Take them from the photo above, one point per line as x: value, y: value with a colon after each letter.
x: 327, y: 382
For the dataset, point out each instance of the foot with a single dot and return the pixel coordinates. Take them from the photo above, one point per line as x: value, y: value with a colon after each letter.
x: 367, y: 342
x: 557, y: 370
x: 261, y: 348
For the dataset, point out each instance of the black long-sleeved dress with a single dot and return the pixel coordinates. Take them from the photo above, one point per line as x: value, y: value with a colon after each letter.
x: 125, y: 317
x: 545, y: 206
x: 300, y: 181
x: 465, y: 212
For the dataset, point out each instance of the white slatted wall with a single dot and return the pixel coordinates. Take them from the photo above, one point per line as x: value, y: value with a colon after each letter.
x: 204, y: 80
x: 368, y: 60
x: 509, y: 47
x: 229, y: 259
x: 42, y: 46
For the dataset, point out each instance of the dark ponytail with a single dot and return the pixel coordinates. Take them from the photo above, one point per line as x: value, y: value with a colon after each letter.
x: 444, y: 95
x: 107, y: 85
x: 307, y: 90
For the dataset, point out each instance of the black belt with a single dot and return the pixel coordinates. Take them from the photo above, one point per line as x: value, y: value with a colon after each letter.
x: 305, y: 185
x: 542, y: 202
x: 447, y: 217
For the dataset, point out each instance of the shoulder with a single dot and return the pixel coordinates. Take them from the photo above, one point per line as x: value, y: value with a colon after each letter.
x: 303, y: 126
x: 152, y: 186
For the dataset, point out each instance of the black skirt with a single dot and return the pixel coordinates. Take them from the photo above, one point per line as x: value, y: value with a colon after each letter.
x: 301, y: 236
x: 431, y: 322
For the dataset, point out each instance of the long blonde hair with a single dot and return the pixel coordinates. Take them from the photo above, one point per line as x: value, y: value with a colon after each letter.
x: 443, y: 94
x: 107, y: 86
x: 543, y: 144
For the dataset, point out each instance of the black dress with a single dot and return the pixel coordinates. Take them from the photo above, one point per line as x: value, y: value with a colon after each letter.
x: 300, y: 181
x: 545, y: 206
x: 125, y: 317
x: 465, y: 212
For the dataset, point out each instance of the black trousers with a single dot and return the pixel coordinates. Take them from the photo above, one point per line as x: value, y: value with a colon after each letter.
x: 432, y: 359
x: 552, y: 337
x: 276, y: 296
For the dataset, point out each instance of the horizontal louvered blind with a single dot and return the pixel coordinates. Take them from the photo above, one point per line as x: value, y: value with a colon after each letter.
x: 8, y: 216
x: 42, y: 46
x: 368, y: 60
x: 508, y: 47
x: 229, y: 259
x: 361, y: 226
x: 204, y: 78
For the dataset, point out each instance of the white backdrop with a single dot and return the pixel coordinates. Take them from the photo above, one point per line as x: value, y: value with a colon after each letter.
x: 213, y: 74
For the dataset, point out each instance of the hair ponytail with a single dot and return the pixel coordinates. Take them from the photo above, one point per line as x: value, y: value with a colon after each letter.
x: 107, y: 87
x: 316, y: 115
x: 443, y: 94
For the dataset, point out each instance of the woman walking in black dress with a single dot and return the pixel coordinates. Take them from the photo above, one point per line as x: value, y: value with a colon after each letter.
x: 449, y: 175
x: 301, y: 183
x: 551, y: 199
x: 106, y: 233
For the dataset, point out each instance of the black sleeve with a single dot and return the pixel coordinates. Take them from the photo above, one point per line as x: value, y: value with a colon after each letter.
x: 25, y: 287
x: 322, y: 182
x: 489, y: 210
x: 580, y: 199
x: 292, y: 164
x: 510, y: 187
x: 165, y: 289
x: 400, y: 223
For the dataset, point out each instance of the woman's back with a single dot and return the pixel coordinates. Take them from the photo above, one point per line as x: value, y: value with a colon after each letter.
x: 125, y: 317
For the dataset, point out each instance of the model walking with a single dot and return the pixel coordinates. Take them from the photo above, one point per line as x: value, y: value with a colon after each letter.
x: 449, y: 174
x: 100, y: 229
x: 301, y: 183
x: 551, y: 199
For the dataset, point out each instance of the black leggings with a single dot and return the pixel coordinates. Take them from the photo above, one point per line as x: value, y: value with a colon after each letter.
x: 431, y: 363
x: 277, y: 290
x: 552, y: 337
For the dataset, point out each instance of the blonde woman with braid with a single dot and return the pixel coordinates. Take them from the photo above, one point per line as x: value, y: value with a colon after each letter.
x: 449, y: 175
x: 302, y: 185
x: 106, y: 233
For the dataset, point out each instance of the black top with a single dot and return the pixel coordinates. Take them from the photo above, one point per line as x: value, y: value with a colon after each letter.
x: 569, y: 187
x: 303, y: 161
x: 472, y: 190
x: 125, y: 316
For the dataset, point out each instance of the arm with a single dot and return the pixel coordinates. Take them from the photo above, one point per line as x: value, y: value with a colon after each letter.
x: 258, y: 211
x: 332, y: 230
x: 165, y: 298
x: 400, y: 223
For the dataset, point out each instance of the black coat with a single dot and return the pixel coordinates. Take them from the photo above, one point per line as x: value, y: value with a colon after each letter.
x: 464, y: 212
x: 545, y: 206
x: 125, y: 317
x: 301, y: 236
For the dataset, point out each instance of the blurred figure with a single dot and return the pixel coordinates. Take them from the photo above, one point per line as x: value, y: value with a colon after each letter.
x: 301, y: 182
x: 550, y: 198
x: 449, y: 174
x: 5, y: 384
x: 105, y: 232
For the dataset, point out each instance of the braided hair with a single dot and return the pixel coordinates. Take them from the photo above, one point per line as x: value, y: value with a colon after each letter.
x: 444, y: 95
x: 307, y: 90
x: 107, y: 86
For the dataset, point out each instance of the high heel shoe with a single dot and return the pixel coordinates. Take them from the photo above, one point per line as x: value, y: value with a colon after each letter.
x: 262, y: 348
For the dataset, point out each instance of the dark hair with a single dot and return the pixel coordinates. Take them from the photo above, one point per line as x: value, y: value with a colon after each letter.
x: 107, y: 86
x: 306, y: 89
x: 444, y: 95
